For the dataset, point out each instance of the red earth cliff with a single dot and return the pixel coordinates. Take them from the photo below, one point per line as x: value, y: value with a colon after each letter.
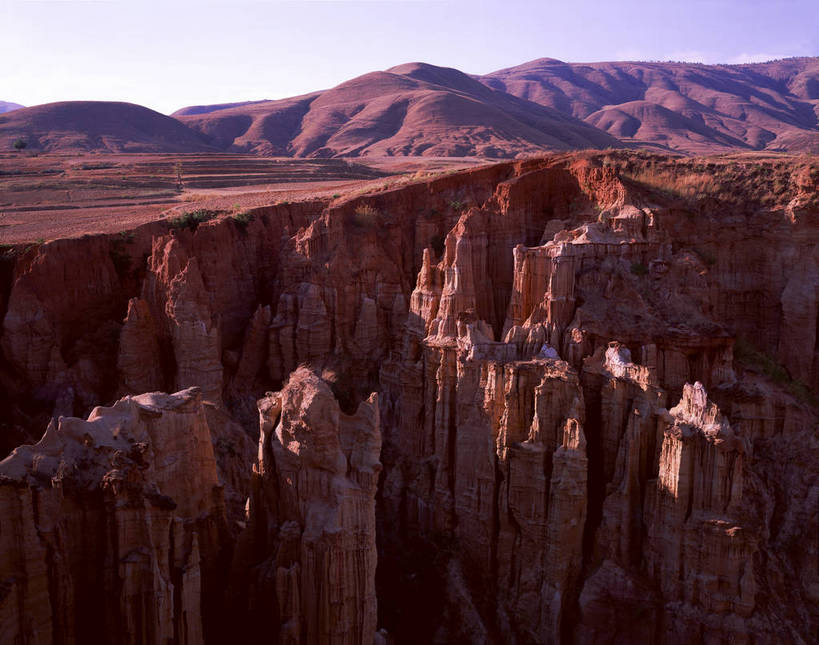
x: 112, y: 527
x: 595, y: 417
x: 310, y: 540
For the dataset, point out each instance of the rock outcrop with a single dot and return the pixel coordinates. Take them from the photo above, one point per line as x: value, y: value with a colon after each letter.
x: 308, y: 556
x: 111, y: 527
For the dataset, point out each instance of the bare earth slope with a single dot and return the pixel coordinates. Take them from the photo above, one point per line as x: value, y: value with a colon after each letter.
x: 204, y: 109
x: 685, y: 107
x: 412, y: 109
x: 85, y: 126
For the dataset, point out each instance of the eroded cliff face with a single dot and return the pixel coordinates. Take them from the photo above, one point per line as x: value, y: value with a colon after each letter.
x: 571, y: 450
x: 308, y: 556
x: 112, y: 528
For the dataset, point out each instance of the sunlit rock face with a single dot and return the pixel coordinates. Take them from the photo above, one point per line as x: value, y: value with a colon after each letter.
x: 509, y: 407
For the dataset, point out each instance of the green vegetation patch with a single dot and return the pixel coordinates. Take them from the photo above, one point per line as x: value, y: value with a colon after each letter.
x: 366, y: 217
x: 192, y: 219
x: 751, y: 358
x: 243, y: 219
x: 638, y: 268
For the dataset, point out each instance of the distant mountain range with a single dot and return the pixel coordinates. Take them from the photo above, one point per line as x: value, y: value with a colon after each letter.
x: 420, y: 109
x: 6, y: 106
x: 91, y: 126
x: 684, y: 107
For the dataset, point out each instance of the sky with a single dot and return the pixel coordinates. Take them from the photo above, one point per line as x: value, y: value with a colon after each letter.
x: 172, y: 53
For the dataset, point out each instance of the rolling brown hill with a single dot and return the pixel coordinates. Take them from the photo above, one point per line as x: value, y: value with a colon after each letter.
x: 99, y: 126
x: 412, y: 109
x: 685, y: 107
x: 420, y: 109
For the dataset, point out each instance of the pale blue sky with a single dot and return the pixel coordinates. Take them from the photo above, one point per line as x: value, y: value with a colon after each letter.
x: 169, y: 54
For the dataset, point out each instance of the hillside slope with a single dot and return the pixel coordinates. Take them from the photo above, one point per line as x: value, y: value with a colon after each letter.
x: 205, y: 109
x: 412, y: 109
x: 7, y: 106
x: 97, y: 126
x: 685, y: 107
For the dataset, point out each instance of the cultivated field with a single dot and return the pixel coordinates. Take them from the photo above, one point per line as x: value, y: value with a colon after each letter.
x: 48, y: 196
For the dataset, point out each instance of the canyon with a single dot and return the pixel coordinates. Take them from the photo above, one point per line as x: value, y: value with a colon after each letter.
x: 564, y: 399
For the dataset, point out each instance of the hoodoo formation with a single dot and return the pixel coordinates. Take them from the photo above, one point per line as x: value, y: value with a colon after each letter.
x: 560, y: 400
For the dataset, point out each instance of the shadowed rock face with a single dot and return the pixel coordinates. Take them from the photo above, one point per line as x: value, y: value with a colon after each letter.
x: 508, y: 407
x: 311, y: 535
x: 111, y: 527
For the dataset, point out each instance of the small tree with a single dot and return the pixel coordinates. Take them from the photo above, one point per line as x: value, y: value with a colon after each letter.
x: 19, y: 144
